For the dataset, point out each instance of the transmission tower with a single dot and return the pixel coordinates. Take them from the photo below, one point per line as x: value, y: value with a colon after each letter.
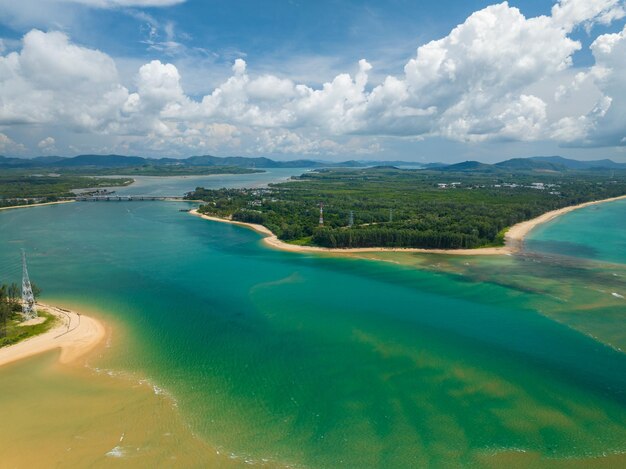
x: 321, y: 213
x: 390, y: 215
x: 351, y: 219
x: 28, y: 299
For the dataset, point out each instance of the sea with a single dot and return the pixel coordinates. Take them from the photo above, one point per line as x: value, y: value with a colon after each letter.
x: 222, y: 352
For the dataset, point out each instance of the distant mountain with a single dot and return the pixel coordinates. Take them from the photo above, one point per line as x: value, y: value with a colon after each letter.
x: 99, y: 161
x: 435, y: 165
x: 467, y: 166
x: 6, y: 162
x: 577, y: 164
x: 11, y: 162
x: 361, y: 163
x: 122, y: 161
x: 45, y: 160
x: 535, y: 163
x: 530, y: 164
x: 262, y: 162
x: 208, y: 160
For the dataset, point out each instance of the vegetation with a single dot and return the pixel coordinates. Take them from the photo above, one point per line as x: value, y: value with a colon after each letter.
x: 23, y: 188
x: 162, y: 170
x: 408, y: 208
x: 19, y: 186
x: 11, y: 329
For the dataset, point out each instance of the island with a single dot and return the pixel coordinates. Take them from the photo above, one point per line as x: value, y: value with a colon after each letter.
x: 45, y: 180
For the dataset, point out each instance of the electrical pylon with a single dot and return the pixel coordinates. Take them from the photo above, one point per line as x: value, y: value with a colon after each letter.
x: 28, y: 299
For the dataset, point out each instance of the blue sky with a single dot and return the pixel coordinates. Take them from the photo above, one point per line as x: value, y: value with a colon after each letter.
x: 159, y: 77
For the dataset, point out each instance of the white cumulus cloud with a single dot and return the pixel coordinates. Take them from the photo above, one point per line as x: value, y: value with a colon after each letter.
x: 54, y: 81
x: 47, y: 144
x: 7, y: 145
x: 497, y: 76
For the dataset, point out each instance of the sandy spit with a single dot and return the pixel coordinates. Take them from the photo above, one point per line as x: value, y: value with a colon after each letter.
x: 75, y: 334
x: 513, y: 240
x: 37, y: 205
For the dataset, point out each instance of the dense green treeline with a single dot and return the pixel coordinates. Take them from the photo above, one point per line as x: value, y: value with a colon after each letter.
x: 407, y: 208
x: 18, y: 188
x: 24, y: 186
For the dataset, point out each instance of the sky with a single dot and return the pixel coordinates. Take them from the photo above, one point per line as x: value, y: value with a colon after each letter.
x: 327, y: 79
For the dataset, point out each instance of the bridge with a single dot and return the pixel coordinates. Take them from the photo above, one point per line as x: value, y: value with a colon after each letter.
x: 126, y: 198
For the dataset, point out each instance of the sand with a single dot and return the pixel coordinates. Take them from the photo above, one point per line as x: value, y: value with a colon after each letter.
x: 38, y: 205
x: 514, y: 238
x: 75, y: 334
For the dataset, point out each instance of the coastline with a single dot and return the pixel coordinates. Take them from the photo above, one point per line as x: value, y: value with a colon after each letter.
x: 12, y: 207
x: 75, y: 334
x: 513, y: 239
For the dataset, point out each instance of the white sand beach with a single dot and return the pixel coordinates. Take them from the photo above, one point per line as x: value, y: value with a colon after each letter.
x: 75, y: 334
x: 513, y: 239
x: 38, y: 205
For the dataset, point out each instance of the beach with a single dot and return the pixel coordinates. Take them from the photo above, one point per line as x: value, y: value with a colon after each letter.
x: 75, y: 334
x: 85, y: 416
x: 38, y: 205
x: 514, y: 238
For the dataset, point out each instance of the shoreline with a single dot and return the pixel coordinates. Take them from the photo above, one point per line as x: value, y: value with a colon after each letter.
x: 75, y: 334
x: 513, y: 239
x: 13, y: 207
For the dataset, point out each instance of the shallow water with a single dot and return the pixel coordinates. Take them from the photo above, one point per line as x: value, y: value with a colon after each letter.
x: 173, y: 186
x: 596, y: 232
x: 290, y: 359
x: 54, y: 416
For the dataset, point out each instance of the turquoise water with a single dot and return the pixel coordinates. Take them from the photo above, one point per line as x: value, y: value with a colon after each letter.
x: 324, y: 362
x: 595, y: 232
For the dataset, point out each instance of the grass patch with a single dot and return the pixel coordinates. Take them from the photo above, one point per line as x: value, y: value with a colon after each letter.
x: 16, y: 333
x: 306, y: 241
x: 499, y: 239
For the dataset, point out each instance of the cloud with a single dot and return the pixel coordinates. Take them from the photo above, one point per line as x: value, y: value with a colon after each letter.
x: 47, y: 144
x: 54, y: 81
x: 498, y: 76
x: 571, y: 13
x: 8, y: 146
x: 605, y: 125
x: 66, y: 14
x: 460, y: 86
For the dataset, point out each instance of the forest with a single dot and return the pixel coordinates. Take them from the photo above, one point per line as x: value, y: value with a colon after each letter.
x: 20, y: 188
x: 391, y: 207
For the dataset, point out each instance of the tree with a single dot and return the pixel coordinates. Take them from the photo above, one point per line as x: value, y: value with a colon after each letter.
x: 5, y: 310
x: 14, y: 293
x: 36, y: 290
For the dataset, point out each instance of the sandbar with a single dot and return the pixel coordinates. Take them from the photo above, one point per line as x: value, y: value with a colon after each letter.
x: 75, y: 334
x: 37, y: 205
